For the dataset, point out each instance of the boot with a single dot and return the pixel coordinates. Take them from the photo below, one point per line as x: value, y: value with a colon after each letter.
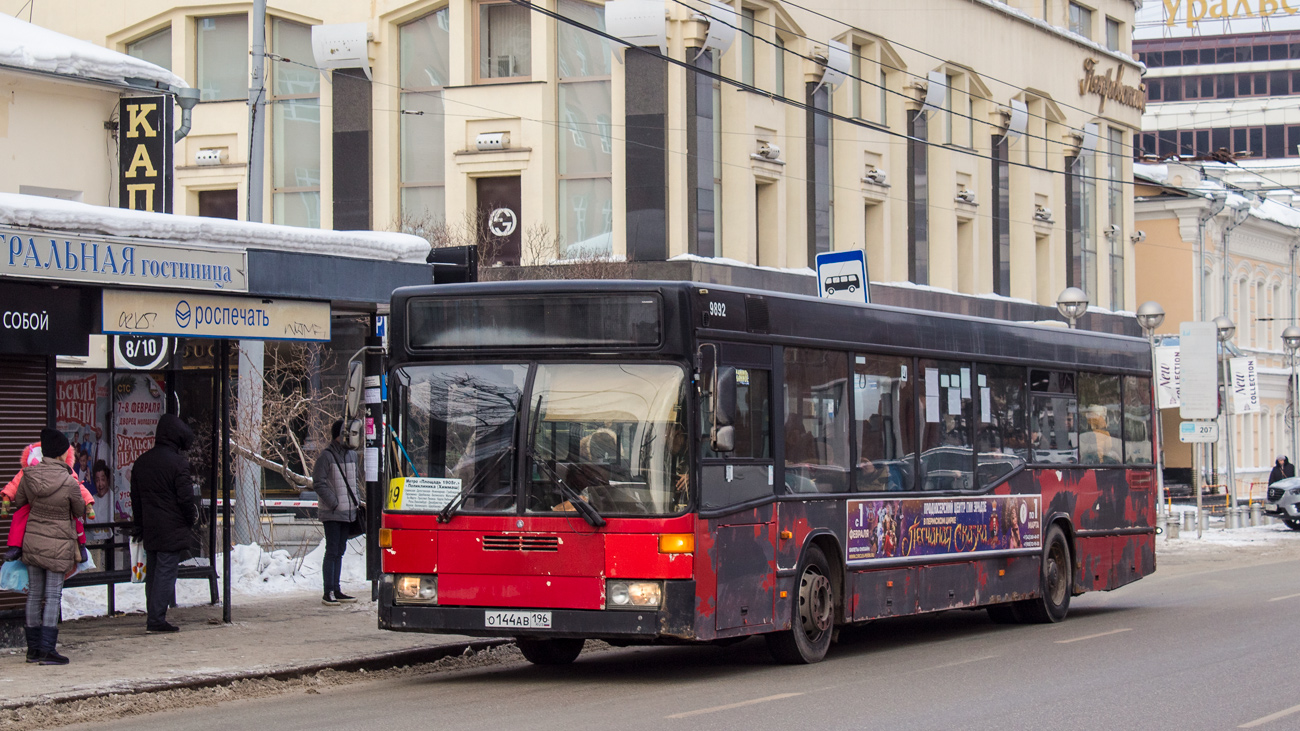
x: 49, y: 646
x: 33, y: 643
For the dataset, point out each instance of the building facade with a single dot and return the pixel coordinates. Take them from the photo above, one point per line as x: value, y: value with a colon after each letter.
x: 1223, y: 88
x: 974, y: 147
x: 1254, y: 285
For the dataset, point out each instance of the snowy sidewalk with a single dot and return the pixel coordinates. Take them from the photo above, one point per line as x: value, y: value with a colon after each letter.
x: 280, y: 628
x: 276, y: 636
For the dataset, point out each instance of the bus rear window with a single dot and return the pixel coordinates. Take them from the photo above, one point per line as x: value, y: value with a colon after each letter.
x: 572, y: 321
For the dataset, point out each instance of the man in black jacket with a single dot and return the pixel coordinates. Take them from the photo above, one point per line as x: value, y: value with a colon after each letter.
x: 162, y: 496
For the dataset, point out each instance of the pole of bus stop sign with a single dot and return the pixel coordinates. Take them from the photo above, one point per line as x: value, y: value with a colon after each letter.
x: 224, y: 375
x: 374, y: 452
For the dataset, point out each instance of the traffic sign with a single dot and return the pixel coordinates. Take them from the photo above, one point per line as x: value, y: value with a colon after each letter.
x: 1198, y: 431
x: 842, y: 275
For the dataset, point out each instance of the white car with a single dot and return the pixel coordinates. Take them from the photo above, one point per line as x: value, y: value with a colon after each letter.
x: 1283, y: 501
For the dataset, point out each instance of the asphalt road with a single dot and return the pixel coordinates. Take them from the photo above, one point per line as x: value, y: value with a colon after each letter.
x: 1205, y: 643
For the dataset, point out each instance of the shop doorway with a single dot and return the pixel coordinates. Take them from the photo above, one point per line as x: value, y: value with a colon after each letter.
x: 500, y: 221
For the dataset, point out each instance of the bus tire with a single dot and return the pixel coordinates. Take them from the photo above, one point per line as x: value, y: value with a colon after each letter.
x: 550, y: 652
x: 1056, y: 581
x: 812, y: 616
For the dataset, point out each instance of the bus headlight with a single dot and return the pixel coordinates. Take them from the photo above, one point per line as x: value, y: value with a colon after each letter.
x: 621, y: 594
x: 416, y: 589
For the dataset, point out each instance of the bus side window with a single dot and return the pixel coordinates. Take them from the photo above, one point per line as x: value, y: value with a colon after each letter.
x: 1001, y: 436
x: 1137, y: 420
x: 947, y: 461
x: 753, y: 421
x: 1051, y: 429
x: 816, y: 421
x: 1100, y: 419
x: 884, y: 423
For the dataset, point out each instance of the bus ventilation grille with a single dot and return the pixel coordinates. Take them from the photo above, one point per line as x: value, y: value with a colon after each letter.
x: 521, y: 543
x: 756, y: 314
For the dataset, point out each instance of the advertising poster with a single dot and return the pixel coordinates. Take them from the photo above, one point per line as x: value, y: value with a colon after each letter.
x: 140, y: 403
x: 82, y: 413
x: 887, y: 529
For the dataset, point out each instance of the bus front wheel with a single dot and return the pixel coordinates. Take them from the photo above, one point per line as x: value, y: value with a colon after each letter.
x: 550, y: 652
x: 812, y: 618
x: 1057, y: 582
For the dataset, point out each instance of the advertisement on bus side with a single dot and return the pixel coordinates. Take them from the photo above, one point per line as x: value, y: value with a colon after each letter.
x: 892, y: 529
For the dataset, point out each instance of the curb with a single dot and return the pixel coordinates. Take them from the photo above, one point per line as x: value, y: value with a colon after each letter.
x: 383, y: 661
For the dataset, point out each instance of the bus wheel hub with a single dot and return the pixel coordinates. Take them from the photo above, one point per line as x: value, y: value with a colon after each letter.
x: 815, y: 602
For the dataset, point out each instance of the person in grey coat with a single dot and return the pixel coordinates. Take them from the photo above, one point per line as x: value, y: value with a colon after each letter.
x: 334, y: 478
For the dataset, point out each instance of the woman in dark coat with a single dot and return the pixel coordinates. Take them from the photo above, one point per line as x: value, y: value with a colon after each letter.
x: 1282, y: 469
x: 50, y: 543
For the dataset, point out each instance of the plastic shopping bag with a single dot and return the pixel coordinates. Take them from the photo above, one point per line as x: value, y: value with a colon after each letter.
x: 13, y: 576
x: 87, y: 565
x: 137, y: 561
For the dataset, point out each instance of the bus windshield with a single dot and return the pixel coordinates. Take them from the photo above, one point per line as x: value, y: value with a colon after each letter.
x: 614, y: 434
x: 460, y: 422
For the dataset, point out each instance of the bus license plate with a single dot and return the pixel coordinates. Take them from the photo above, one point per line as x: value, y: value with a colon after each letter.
x: 517, y: 620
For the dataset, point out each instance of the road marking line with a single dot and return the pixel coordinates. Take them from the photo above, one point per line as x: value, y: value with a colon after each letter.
x: 1271, y: 717
x: 730, y: 706
x: 1280, y: 598
x: 1093, y: 637
x: 955, y: 664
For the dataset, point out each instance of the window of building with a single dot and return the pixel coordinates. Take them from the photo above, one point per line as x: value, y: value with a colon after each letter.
x: 1081, y: 222
x: 156, y: 48
x: 295, y: 129
x: 1113, y: 31
x: 779, y: 70
x: 1000, y: 169
x: 816, y: 420
x: 918, y: 209
x: 855, y: 88
x: 425, y: 64
x: 884, y: 97
x: 884, y: 423
x: 747, y: 46
x: 1115, y: 214
x: 950, y: 106
x: 820, y: 233
x: 222, y: 62
x: 504, y: 41
x: 586, y: 150
x: 1080, y: 20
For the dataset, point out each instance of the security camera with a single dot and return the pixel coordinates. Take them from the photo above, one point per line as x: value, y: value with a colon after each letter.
x: 1137, y: 237
x: 769, y: 151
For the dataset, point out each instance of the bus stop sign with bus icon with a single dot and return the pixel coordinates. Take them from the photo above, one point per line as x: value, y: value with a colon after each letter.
x: 842, y: 275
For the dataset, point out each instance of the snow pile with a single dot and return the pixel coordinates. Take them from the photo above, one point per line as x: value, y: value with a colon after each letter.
x: 1215, y: 537
x: 39, y: 212
x: 254, y: 572
x: 31, y: 47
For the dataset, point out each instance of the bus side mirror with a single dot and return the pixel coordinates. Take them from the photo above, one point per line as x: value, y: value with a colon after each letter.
x: 352, y: 405
x: 723, y: 435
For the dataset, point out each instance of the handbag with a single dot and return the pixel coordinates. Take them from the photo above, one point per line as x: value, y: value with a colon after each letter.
x: 13, y: 576
x: 138, y: 561
x: 358, y: 525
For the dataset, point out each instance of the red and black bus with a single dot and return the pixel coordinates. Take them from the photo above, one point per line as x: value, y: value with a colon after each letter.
x: 668, y: 462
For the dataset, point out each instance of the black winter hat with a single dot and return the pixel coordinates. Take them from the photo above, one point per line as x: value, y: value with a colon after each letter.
x: 53, y: 443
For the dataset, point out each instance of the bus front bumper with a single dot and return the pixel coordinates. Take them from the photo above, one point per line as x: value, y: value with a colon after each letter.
x: 674, y: 620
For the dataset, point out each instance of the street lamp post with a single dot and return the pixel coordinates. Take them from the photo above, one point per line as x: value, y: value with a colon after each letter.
x: 1150, y: 315
x: 1226, y: 330
x: 1072, y: 303
x: 1291, y: 339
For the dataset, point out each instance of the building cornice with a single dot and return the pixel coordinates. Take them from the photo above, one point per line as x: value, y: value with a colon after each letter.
x: 1062, y: 33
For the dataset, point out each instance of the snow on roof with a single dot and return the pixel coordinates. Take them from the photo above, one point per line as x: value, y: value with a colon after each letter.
x: 61, y: 215
x: 1266, y: 209
x: 33, y: 48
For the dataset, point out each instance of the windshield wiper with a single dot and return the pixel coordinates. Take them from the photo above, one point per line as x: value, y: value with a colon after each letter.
x: 449, y: 510
x: 583, y: 507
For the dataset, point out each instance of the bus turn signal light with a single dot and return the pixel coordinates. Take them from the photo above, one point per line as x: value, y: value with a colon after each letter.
x: 677, y: 543
x: 385, y: 537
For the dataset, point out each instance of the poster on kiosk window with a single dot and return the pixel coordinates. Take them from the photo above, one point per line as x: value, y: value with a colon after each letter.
x: 139, y: 404
x: 82, y: 413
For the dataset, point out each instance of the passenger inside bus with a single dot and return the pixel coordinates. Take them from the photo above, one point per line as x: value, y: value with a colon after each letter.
x: 1096, y: 445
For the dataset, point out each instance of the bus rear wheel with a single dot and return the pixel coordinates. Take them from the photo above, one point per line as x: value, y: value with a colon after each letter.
x: 812, y: 620
x: 550, y: 652
x: 1056, y: 582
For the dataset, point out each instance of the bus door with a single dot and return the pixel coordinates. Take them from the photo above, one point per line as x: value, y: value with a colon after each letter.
x: 737, y: 486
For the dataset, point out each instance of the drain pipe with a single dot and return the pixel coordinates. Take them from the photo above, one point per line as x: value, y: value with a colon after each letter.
x: 187, y: 98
